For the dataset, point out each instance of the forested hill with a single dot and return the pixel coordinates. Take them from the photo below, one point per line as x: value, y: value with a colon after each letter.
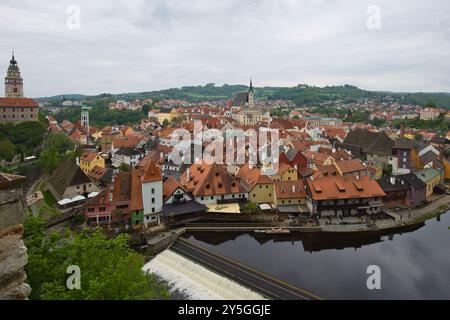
x: 300, y: 95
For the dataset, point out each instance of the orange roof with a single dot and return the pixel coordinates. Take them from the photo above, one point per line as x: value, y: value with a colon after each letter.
x: 203, y: 179
x: 128, y: 142
x: 283, y: 167
x: 88, y: 156
x: 170, y: 185
x: 251, y: 176
x: 290, y: 189
x: 316, y: 157
x: 96, y: 173
x: 18, y: 103
x: 136, y: 191
x: 336, y: 187
x: 152, y: 173
x: 352, y: 165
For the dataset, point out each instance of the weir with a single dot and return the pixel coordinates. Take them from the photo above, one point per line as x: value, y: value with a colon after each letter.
x: 195, y: 281
x: 204, y: 274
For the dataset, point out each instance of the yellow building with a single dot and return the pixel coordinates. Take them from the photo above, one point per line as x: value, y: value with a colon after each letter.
x: 260, y: 187
x: 285, y: 173
x: 431, y: 177
x: 90, y: 160
x: 446, y: 163
x: 167, y: 114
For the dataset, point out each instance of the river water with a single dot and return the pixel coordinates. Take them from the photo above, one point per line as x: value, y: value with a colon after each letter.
x: 414, y: 264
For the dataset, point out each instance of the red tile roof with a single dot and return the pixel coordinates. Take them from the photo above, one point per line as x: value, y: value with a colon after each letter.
x: 152, y: 173
x: 290, y: 189
x: 18, y: 103
x: 336, y: 187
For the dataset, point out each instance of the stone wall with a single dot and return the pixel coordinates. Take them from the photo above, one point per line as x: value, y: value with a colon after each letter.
x: 13, y: 259
x: 11, y: 207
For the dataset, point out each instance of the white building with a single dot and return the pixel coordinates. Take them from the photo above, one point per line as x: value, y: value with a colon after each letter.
x: 152, y: 195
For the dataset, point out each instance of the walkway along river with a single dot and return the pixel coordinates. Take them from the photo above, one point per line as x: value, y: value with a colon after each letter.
x: 414, y: 265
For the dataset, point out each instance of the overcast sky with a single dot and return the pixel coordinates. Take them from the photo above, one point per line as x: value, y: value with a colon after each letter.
x: 138, y: 45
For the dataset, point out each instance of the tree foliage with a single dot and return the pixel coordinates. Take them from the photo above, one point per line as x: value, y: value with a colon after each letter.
x: 110, y: 269
x: 56, y: 147
x: 250, y: 208
x: 7, y: 150
x: 26, y: 136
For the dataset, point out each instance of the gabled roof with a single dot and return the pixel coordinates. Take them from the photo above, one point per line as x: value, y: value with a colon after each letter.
x: 170, y: 186
x: 290, y: 189
x: 347, y: 166
x: 336, y: 187
x: 136, y: 203
x: 9, y: 180
x: 152, y: 173
x: 370, y: 142
x: 88, y: 156
x: 427, y: 174
x: 428, y: 157
x: 403, y: 143
x: 203, y: 179
x: 249, y: 176
x: 66, y: 175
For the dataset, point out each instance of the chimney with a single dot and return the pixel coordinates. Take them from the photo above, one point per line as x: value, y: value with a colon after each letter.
x: 187, y: 174
x: 293, y: 188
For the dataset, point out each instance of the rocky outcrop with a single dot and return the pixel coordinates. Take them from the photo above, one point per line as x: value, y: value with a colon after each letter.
x: 13, y: 259
x: 13, y: 253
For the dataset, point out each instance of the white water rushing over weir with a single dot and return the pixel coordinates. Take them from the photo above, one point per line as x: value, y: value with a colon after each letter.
x: 197, y: 282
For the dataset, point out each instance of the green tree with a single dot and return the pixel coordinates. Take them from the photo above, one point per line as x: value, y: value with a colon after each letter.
x: 430, y: 104
x: 146, y: 108
x: 110, y: 269
x: 56, y: 147
x: 124, y: 167
x: 7, y: 150
x: 250, y: 208
x: 165, y: 123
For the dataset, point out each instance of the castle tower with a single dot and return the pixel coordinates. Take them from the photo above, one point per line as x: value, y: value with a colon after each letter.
x: 251, y: 96
x: 13, y: 80
x: 85, y: 118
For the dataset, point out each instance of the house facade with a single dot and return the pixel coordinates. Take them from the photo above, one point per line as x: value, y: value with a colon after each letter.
x: 336, y: 196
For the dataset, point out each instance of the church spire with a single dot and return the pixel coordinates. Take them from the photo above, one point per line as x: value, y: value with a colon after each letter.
x: 251, y: 85
x: 13, y: 80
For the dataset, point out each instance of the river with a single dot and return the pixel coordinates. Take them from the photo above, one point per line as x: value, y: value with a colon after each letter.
x: 414, y: 264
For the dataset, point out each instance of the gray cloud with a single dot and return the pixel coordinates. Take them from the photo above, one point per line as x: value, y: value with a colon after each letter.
x: 142, y: 45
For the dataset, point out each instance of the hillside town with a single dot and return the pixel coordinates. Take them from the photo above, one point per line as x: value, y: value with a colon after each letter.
x: 330, y: 171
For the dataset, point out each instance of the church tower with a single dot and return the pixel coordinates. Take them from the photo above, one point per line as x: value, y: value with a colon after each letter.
x: 13, y: 80
x: 251, y: 96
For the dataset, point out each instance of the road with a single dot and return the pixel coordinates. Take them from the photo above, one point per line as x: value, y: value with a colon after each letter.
x: 413, y: 214
x: 262, y: 283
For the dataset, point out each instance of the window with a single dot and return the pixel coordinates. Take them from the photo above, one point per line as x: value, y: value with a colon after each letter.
x: 153, y: 190
x: 153, y: 210
x: 153, y: 200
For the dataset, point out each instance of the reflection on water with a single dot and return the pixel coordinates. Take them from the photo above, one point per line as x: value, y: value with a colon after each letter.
x: 414, y: 264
